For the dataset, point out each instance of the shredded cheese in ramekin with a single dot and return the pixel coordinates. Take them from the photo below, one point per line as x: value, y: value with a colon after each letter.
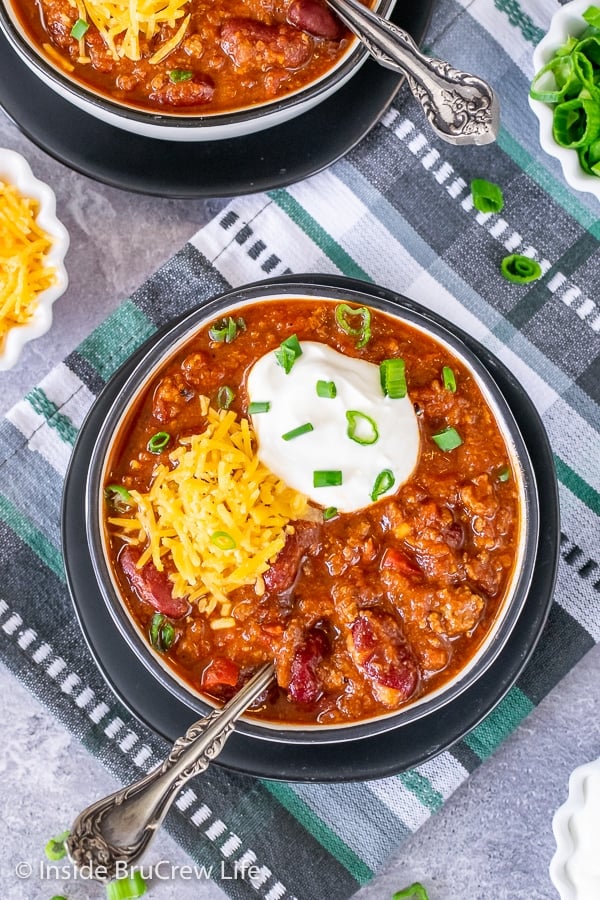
x: 24, y: 272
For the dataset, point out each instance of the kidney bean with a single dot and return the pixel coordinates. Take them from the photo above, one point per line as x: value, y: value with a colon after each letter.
x: 363, y: 635
x: 305, y: 685
x: 454, y: 535
x: 381, y: 652
x: 315, y: 18
x: 282, y: 574
x: 256, y: 45
x: 150, y: 585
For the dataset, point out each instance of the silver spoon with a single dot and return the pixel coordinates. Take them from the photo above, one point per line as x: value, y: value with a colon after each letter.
x: 110, y: 836
x: 461, y: 108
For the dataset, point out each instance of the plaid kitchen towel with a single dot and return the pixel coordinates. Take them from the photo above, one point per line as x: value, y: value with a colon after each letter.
x: 396, y: 211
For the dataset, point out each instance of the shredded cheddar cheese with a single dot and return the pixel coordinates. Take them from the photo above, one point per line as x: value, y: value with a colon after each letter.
x: 220, y: 514
x: 24, y: 273
x: 121, y: 22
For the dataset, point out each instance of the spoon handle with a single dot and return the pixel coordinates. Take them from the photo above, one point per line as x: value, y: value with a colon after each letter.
x: 461, y: 108
x: 110, y: 835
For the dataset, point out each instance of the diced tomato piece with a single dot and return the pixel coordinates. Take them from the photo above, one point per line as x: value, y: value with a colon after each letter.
x: 150, y: 585
x: 220, y: 671
x: 399, y: 561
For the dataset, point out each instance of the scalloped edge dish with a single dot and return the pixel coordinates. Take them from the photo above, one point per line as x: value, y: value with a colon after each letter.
x: 575, y: 867
x: 567, y: 21
x: 15, y: 169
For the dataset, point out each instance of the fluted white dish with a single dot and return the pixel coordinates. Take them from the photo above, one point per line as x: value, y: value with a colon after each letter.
x: 575, y: 867
x: 567, y: 21
x: 15, y: 170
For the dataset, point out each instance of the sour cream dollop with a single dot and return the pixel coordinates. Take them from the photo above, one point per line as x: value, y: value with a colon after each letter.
x: 294, y: 402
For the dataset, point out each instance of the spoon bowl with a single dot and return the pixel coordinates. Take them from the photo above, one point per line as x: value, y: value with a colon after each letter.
x: 114, y: 832
x: 461, y: 108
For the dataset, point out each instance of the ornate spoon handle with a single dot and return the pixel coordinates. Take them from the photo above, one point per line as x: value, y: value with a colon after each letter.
x: 111, y: 834
x: 461, y: 108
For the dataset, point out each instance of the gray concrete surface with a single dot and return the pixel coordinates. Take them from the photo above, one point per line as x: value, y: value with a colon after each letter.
x: 492, y: 840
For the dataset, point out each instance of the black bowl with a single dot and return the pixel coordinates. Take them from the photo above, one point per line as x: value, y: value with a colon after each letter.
x: 173, y: 126
x: 135, y: 380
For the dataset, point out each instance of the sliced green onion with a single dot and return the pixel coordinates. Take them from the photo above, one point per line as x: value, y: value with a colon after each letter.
x: 177, y: 75
x: 223, y: 540
x: 576, y: 122
x: 449, y: 379
x: 362, y: 331
x: 326, y: 389
x: 567, y: 47
x: 384, y: 481
x: 361, y: 428
x: 79, y: 29
x: 569, y: 83
x: 554, y: 81
x: 504, y: 474
x: 392, y: 375
x: 158, y: 442
x: 161, y: 632
x: 126, y: 888
x: 487, y: 196
x: 415, y: 891
x: 327, y: 478
x: 589, y: 158
x: 448, y: 439
x: 259, y: 406
x: 224, y: 331
x: 520, y: 269
x: 583, y: 71
x: 588, y: 45
x: 592, y: 16
x: 296, y: 432
x: 118, y: 497
x: 329, y: 513
x: 225, y: 397
x: 55, y: 848
x: 288, y: 352
x: 56, y: 897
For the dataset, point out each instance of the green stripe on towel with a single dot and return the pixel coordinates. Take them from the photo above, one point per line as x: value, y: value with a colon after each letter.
x: 490, y: 733
x: 576, y: 484
x: 51, y: 413
x: 317, y: 233
x: 324, y: 835
x: 422, y: 788
x: 38, y: 542
x: 518, y: 17
x: 112, y: 342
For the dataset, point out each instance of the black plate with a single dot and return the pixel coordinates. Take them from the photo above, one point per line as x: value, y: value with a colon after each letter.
x: 374, y: 757
x: 243, y: 165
